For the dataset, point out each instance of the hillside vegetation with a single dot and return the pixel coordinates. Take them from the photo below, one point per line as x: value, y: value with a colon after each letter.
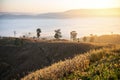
x: 19, y: 57
x: 102, y: 64
x: 115, y: 39
x: 111, y: 39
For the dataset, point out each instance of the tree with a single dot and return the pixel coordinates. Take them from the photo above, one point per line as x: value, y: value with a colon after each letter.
x: 38, y: 32
x: 57, y: 34
x: 84, y: 38
x: 73, y: 35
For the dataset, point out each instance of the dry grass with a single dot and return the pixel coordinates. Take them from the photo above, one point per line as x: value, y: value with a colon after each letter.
x: 60, y: 69
x: 78, y: 63
x: 32, y: 56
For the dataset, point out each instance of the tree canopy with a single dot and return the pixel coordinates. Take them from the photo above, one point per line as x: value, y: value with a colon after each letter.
x: 38, y: 32
x: 73, y: 35
x: 57, y: 34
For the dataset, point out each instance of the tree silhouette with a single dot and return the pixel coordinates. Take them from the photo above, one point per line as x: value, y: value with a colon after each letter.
x: 73, y: 35
x: 57, y: 34
x: 38, y: 32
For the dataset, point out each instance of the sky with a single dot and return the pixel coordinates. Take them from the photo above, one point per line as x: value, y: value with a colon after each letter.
x: 44, y: 6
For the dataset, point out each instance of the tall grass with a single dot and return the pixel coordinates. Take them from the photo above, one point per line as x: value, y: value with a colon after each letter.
x: 80, y: 63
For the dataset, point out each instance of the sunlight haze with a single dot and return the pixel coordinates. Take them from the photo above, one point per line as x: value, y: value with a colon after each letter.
x: 44, y: 6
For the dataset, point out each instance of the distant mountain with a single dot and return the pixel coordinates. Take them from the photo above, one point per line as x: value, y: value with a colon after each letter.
x: 14, y: 15
x: 75, y: 13
x: 112, y: 12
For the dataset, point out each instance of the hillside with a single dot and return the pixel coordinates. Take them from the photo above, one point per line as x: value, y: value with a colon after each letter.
x: 18, y: 57
x: 114, y: 38
x: 111, y: 39
x: 102, y: 64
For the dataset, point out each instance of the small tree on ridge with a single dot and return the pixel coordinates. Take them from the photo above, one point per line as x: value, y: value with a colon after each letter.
x: 73, y: 35
x: 38, y: 32
x: 57, y: 34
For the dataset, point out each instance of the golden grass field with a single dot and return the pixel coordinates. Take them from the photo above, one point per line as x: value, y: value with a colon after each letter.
x: 105, y: 59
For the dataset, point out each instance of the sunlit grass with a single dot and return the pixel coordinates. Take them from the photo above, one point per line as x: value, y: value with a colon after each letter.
x: 97, y: 63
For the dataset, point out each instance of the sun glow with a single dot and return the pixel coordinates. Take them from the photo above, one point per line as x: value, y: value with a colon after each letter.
x: 95, y: 3
x: 42, y: 6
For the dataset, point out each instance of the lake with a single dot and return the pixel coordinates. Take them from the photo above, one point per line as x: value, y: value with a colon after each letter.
x: 83, y: 26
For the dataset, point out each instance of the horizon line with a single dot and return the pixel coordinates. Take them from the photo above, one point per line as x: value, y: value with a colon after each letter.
x: 58, y: 11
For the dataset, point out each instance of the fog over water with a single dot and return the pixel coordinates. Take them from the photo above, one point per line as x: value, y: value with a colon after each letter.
x: 83, y: 26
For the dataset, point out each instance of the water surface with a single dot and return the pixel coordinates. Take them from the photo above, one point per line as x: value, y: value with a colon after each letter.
x: 83, y: 26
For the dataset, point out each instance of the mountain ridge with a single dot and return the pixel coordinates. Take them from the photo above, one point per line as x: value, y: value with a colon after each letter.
x: 73, y: 13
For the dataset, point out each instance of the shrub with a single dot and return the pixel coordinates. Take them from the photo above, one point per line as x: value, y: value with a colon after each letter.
x: 18, y: 42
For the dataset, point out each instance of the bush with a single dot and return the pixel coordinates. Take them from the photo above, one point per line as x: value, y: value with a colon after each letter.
x: 18, y: 42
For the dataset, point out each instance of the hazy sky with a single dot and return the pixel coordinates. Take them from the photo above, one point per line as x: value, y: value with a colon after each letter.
x: 43, y: 6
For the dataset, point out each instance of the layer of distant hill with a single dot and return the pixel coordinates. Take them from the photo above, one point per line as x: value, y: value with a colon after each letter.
x: 75, y: 13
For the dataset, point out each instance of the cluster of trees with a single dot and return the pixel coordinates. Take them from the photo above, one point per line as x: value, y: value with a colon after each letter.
x: 58, y: 34
x: 73, y: 36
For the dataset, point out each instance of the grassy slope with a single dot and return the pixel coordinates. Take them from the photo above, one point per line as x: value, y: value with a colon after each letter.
x: 17, y: 60
x: 111, y: 39
x: 100, y: 64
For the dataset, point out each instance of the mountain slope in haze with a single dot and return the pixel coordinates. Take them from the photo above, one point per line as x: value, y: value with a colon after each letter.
x: 75, y: 13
